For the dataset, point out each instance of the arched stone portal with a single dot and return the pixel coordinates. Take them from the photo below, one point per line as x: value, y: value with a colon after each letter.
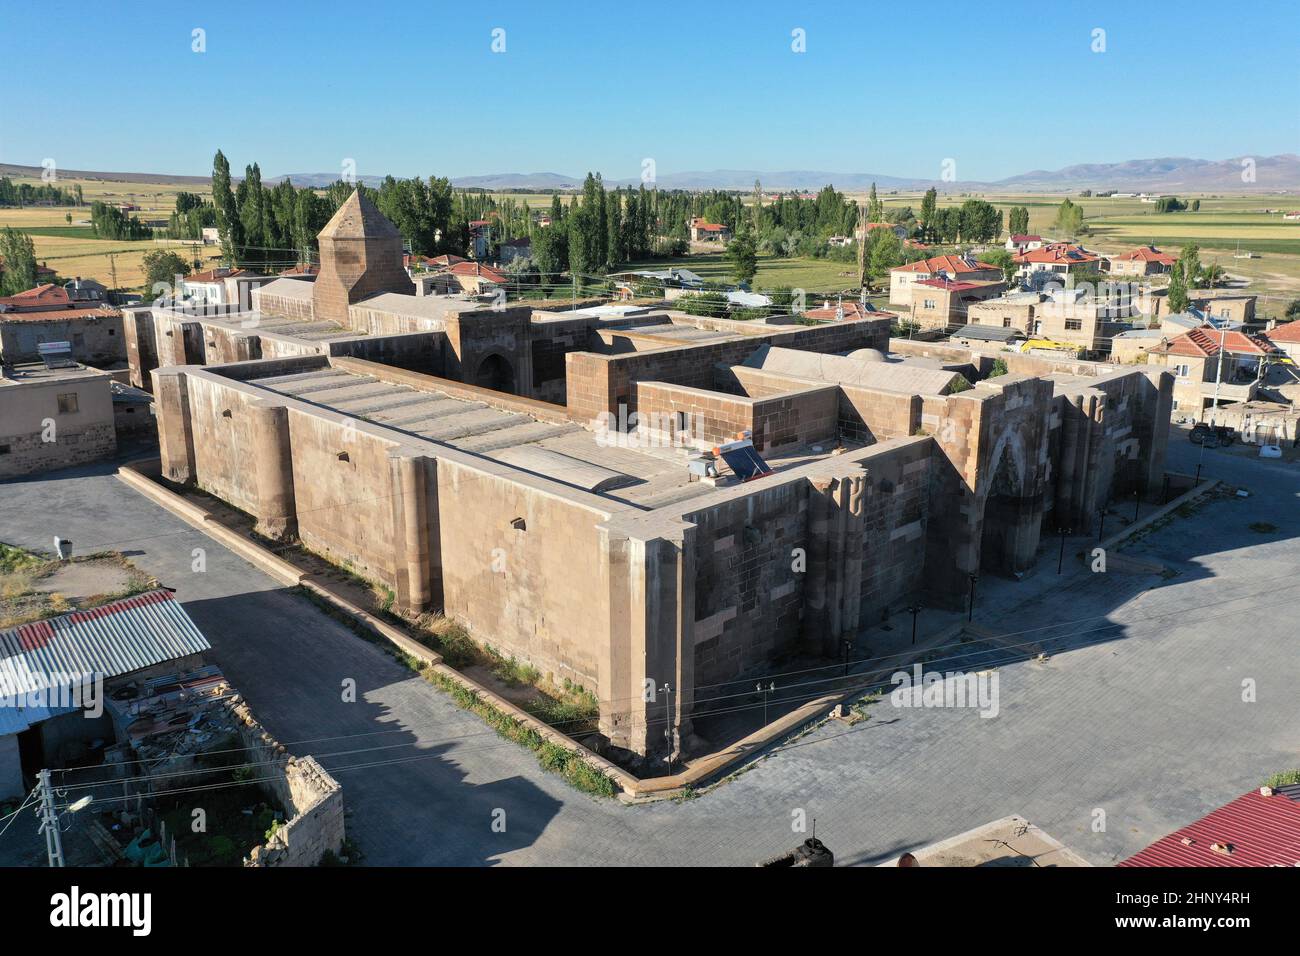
x: 495, y: 372
x: 1012, y: 510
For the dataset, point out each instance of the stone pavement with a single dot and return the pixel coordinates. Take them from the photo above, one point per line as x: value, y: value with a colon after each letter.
x: 1146, y: 723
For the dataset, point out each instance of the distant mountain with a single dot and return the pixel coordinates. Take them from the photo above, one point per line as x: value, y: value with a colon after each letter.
x: 786, y: 180
x: 166, y: 179
x: 505, y: 181
x: 315, y: 180
x: 1170, y: 174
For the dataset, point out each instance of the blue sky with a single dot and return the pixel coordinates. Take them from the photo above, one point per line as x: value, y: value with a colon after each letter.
x: 415, y: 89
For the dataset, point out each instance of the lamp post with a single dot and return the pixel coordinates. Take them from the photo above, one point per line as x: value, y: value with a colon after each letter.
x: 970, y: 614
x: 771, y: 686
x: 667, y: 691
x: 1060, y: 563
x: 915, y: 609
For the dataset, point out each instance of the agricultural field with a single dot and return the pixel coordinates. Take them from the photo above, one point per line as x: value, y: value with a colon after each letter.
x: 811, y: 275
x: 72, y: 250
x: 1222, y: 226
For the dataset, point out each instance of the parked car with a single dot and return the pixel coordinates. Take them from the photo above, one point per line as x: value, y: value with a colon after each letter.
x: 1212, y: 435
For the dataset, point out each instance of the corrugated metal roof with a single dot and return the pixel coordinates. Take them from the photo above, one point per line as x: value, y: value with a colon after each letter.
x: 107, y: 641
x: 1262, y: 831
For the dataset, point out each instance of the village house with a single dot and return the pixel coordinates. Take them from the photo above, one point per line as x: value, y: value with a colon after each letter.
x: 222, y: 286
x: 965, y: 268
x: 515, y: 249
x: 48, y: 313
x: 866, y: 229
x: 54, y: 417
x: 1012, y: 310
x: 1058, y: 258
x: 480, y: 238
x: 1206, y: 362
x: 1224, y: 305
x: 1082, y: 318
x: 476, y: 278
x: 1020, y: 244
x: 1146, y: 261
x: 704, y: 231
x: 1287, y: 338
x: 942, y: 303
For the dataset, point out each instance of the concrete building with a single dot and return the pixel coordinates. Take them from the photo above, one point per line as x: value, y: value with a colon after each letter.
x: 54, y: 418
x: 1287, y: 338
x: 942, y: 303
x: 549, y: 481
x: 956, y: 268
x: 1084, y: 318
x: 48, y: 313
x: 1058, y: 258
x: 222, y: 286
x: 704, y: 231
x: 1012, y: 310
x: 1206, y: 362
x: 1224, y: 305
x: 1146, y: 261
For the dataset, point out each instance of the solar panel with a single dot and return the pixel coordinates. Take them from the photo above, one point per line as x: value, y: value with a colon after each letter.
x: 56, y: 354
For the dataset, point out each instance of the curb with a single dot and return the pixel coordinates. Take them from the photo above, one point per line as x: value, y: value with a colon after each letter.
x: 1190, y: 495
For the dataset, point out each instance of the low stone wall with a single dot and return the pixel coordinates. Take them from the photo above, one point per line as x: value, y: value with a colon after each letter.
x: 311, y: 798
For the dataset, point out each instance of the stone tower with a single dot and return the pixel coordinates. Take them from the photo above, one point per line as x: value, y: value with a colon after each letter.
x: 360, y: 256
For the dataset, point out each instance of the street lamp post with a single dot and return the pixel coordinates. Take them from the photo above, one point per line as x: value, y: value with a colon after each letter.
x: 915, y: 609
x: 970, y: 614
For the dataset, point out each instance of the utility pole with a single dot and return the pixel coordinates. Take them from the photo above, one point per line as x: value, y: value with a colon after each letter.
x: 667, y: 691
x: 50, y: 820
x: 1218, y: 375
x: 915, y: 609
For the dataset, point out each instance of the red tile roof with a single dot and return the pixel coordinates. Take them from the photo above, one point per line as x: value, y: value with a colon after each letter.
x: 956, y: 265
x: 1149, y: 254
x: 464, y: 268
x: 1204, y: 342
x: 46, y: 294
x: 1259, y: 830
x: 1289, y: 332
x: 476, y: 223
x: 1056, y: 252
x: 952, y: 285
x: 214, y: 275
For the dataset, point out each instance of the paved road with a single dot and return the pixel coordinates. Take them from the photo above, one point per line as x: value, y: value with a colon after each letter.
x: 1146, y: 724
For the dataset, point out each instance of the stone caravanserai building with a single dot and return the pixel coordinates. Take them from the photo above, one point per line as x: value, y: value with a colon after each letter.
x: 529, y: 472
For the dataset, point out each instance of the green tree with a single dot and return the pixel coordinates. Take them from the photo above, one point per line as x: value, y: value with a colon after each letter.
x: 742, y: 253
x: 161, y: 267
x: 1069, y: 218
x: 1018, y: 220
x: 19, y: 256
x: 980, y: 221
x: 228, y: 224
x: 929, y: 204
x: 875, y: 208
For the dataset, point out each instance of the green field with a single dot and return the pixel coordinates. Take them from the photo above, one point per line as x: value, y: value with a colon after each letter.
x: 811, y: 275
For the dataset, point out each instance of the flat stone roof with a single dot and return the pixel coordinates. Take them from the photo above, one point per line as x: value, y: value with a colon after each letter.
x: 616, y: 467
x: 904, y: 377
x: 36, y: 374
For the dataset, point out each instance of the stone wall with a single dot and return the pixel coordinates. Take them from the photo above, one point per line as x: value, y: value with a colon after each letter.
x: 599, y: 383
x: 78, y: 437
x: 96, y: 340
x: 312, y: 800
